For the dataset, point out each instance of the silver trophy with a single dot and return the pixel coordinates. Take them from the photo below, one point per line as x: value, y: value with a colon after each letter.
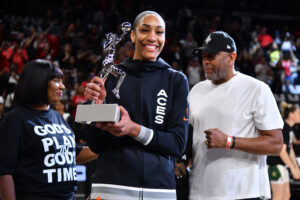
x: 106, y: 112
x: 109, y: 48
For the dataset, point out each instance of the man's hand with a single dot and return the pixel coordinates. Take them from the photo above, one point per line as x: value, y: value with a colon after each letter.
x: 180, y: 170
x: 124, y: 127
x: 95, y: 90
x: 215, y: 138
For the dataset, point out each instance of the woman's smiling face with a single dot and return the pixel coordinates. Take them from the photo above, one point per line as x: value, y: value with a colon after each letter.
x: 55, y: 90
x: 148, y: 37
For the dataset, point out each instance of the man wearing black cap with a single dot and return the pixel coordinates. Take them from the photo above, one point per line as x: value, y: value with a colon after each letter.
x: 236, y: 124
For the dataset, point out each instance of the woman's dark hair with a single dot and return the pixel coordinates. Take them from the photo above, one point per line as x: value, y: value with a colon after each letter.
x: 33, y: 83
x: 141, y: 15
x: 286, y: 109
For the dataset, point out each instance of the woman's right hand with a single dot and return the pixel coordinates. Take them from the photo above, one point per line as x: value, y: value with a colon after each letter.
x: 298, y: 174
x: 295, y: 173
x: 95, y: 90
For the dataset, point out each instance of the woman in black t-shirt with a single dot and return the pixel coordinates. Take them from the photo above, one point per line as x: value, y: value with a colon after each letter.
x: 278, y: 172
x: 37, y: 147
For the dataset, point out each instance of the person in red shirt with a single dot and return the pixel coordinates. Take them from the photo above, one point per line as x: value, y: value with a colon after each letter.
x: 4, y: 67
x: 17, y: 55
x: 264, y: 38
x: 4, y: 64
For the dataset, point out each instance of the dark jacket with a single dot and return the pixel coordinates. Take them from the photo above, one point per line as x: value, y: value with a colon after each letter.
x: 155, y: 96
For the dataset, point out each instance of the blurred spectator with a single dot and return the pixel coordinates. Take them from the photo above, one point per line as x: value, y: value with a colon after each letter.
x: 8, y: 105
x: 1, y: 107
x: 297, y: 76
x: 54, y: 44
x: 60, y: 108
x: 277, y: 38
x: 287, y: 63
x: 83, y: 58
x: 17, y: 55
x: 244, y: 63
x: 188, y: 45
x: 173, y: 52
x: 12, y: 81
x: 287, y: 45
x: 113, y: 17
x: 297, y: 46
x: 263, y: 72
x: 39, y: 45
x: 70, y: 32
x: 4, y: 66
x: 78, y: 98
x: 4, y: 63
x: 184, y: 15
x: 264, y: 38
x: 193, y: 72
x: 278, y: 79
x: 46, y: 52
x: 67, y: 58
x: 120, y: 55
x: 29, y: 43
x: 274, y: 55
x: 124, y: 51
x: 254, y: 45
x: 197, y: 27
x: 175, y: 66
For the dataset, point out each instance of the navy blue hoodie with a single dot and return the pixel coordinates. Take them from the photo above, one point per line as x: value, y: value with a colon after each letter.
x: 155, y: 97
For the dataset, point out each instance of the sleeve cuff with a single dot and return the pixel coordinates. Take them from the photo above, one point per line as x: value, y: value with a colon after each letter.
x: 145, y: 135
x: 78, y: 149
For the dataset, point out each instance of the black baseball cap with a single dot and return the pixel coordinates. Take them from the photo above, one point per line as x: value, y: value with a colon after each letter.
x: 215, y: 42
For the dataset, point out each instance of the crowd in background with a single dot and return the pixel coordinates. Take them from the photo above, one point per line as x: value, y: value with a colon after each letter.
x: 71, y: 34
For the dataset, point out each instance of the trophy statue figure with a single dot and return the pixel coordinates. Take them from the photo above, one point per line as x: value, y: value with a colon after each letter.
x: 106, y: 112
x: 109, y: 49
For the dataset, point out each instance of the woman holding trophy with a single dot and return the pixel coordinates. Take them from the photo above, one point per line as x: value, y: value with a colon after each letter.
x: 137, y: 153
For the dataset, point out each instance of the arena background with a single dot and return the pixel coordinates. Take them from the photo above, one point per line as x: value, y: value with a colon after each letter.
x: 83, y: 24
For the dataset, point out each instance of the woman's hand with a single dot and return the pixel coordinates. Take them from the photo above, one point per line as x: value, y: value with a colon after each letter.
x: 295, y: 173
x: 124, y: 127
x: 95, y: 90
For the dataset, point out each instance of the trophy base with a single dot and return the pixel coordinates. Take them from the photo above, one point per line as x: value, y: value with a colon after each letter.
x: 97, y: 113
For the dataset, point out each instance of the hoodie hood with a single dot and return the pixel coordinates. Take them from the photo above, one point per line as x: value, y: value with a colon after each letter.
x: 142, y: 67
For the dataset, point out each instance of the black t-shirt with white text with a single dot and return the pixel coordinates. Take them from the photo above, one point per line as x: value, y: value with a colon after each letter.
x: 38, y: 150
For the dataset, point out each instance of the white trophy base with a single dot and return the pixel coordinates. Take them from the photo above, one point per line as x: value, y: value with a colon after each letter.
x: 97, y: 113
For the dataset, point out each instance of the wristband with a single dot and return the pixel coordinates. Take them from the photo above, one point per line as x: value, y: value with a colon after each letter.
x: 145, y: 135
x: 188, y: 170
x: 229, y: 138
x: 233, y: 142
